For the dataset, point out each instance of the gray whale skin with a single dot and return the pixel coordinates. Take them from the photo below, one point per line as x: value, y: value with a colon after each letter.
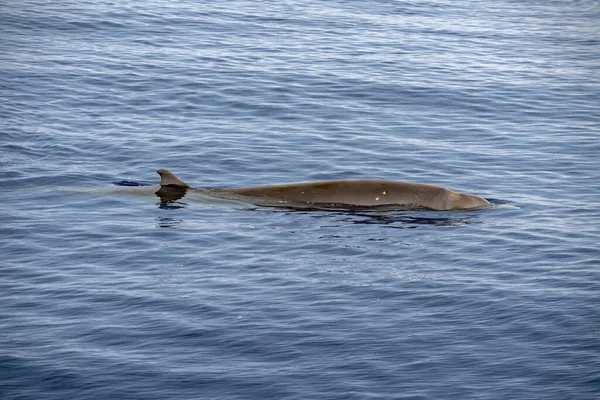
x: 345, y: 194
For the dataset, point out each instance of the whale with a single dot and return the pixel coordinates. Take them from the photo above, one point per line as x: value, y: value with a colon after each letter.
x: 332, y: 195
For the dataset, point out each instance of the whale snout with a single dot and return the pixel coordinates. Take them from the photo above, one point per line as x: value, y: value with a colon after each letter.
x: 466, y: 201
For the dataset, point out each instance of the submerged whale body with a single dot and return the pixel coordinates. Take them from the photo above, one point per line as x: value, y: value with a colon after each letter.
x: 345, y: 194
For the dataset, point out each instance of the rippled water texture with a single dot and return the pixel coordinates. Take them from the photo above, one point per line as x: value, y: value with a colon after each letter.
x: 109, y: 295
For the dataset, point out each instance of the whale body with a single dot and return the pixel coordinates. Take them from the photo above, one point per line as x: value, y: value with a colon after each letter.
x: 343, y: 194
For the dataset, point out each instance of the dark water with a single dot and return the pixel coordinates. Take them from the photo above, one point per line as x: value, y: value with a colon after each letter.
x: 110, y: 296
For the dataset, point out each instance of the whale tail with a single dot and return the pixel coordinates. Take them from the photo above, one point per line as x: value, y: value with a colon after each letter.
x: 167, y: 178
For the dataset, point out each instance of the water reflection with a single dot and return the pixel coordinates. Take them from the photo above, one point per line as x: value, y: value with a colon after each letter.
x: 391, y: 219
x: 170, y: 194
x: 171, y: 206
x: 167, y: 222
x: 405, y: 220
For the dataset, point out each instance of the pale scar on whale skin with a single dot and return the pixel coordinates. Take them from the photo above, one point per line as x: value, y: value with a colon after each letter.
x: 350, y: 194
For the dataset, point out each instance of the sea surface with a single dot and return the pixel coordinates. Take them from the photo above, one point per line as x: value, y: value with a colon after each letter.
x: 104, y: 295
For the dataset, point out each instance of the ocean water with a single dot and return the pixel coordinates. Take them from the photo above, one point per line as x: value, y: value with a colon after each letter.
x: 110, y: 296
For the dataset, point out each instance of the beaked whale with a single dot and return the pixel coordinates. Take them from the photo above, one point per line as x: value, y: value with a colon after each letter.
x: 344, y: 194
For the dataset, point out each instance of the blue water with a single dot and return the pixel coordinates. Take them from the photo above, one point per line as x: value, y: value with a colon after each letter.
x: 108, y: 296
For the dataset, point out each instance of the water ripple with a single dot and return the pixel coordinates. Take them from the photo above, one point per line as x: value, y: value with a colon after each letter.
x: 108, y: 294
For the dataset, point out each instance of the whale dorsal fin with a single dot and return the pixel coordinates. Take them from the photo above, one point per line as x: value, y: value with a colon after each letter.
x: 167, y: 178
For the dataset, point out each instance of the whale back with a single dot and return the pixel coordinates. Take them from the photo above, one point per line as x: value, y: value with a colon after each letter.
x: 365, y: 193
